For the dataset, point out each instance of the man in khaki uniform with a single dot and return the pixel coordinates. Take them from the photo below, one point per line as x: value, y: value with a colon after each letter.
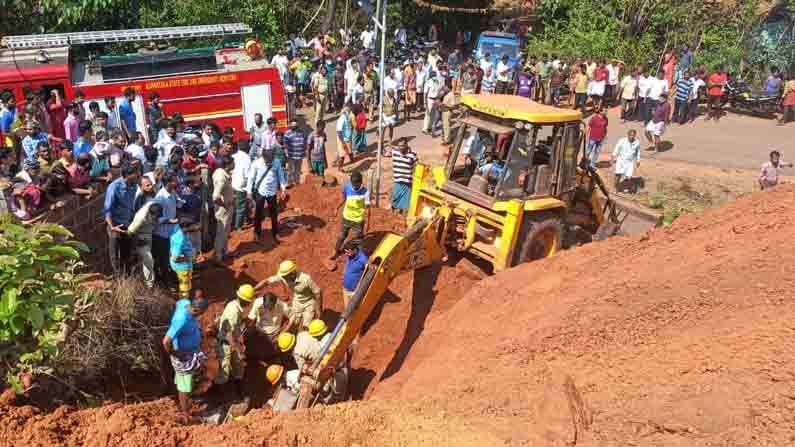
x: 320, y: 90
x: 230, y: 339
x: 449, y: 103
x: 224, y: 199
x: 308, y: 343
x: 307, y: 297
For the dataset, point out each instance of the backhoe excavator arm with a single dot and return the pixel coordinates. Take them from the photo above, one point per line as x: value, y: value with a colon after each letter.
x: 420, y: 246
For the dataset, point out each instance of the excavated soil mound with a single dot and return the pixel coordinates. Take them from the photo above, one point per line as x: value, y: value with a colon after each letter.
x: 679, y: 338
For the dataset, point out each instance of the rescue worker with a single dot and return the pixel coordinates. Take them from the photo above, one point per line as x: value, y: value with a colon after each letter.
x: 320, y: 89
x: 307, y: 297
x: 230, y: 339
x: 270, y: 317
x: 308, y: 343
x: 283, y: 382
x: 306, y: 351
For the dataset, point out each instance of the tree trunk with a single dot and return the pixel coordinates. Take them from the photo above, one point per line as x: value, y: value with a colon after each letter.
x: 328, y: 21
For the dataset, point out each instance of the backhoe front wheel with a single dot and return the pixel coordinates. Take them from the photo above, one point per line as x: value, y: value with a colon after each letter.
x: 540, y: 238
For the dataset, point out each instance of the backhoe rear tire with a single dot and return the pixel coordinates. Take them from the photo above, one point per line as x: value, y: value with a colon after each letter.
x: 540, y: 238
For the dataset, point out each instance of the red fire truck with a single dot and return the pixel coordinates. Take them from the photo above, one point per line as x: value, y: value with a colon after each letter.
x: 226, y: 86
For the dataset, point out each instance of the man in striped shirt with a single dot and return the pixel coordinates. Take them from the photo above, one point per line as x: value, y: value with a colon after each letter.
x: 295, y: 140
x: 684, y: 88
x: 403, y: 162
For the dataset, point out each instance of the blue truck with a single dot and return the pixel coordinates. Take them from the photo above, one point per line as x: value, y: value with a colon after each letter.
x: 497, y: 44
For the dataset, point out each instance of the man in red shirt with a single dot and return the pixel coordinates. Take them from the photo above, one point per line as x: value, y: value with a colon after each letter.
x: 597, y: 131
x: 715, y: 84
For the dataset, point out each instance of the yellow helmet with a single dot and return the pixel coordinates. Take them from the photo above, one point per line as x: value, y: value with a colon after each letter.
x: 246, y: 292
x: 317, y: 328
x: 274, y: 373
x: 285, y: 268
x: 286, y: 341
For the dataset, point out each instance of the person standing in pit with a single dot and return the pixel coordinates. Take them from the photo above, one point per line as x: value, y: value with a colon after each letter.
x: 768, y: 176
x: 270, y: 317
x: 181, y: 256
x: 355, y: 201
x: 229, y: 343
x: 182, y: 343
x: 355, y: 263
x: 307, y: 298
x: 626, y: 157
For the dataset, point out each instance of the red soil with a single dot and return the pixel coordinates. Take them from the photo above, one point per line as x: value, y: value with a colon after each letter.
x: 679, y: 338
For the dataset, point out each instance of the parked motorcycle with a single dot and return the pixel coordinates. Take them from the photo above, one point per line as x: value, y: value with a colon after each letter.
x: 740, y: 98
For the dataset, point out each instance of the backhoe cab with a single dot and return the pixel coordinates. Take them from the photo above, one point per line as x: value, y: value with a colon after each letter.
x: 512, y: 185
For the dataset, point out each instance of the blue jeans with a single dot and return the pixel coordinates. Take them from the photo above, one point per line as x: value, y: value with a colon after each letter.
x: 592, y: 152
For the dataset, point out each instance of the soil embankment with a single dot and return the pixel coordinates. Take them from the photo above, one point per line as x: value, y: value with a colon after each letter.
x: 682, y: 337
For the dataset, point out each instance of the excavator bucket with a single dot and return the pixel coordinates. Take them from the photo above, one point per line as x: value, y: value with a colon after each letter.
x: 614, y: 214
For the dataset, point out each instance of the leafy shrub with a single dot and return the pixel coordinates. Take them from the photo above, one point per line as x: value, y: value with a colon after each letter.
x: 39, y: 286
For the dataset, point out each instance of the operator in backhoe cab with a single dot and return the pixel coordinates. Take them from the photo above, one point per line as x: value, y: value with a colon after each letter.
x: 307, y: 298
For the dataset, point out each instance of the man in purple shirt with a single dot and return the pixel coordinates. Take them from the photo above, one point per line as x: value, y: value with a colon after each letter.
x: 72, y: 122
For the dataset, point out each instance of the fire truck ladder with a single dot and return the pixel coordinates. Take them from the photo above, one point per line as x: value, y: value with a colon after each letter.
x: 129, y: 35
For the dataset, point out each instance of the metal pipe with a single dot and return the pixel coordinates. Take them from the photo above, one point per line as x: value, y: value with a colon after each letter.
x: 382, y: 7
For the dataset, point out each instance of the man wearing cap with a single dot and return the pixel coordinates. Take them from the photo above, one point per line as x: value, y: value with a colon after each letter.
x: 307, y: 297
x: 230, y: 339
x: 309, y: 342
x: 183, y: 344
x: 283, y: 381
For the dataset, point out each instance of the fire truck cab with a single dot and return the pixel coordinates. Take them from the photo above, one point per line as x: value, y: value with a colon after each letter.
x: 226, y: 86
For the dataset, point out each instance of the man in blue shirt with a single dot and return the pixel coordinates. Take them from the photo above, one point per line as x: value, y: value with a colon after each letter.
x: 119, y: 210
x: 126, y: 112
x: 8, y: 112
x: 265, y: 180
x: 83, y: 144
x: 30, y: 144
x: 181, y: 259
x: 355, y: 264
x: 183, y: 344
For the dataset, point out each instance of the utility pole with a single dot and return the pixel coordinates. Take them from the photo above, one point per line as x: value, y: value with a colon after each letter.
x: 381, y: 14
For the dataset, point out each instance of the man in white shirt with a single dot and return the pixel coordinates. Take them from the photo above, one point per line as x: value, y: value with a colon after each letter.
x: 613, y: 72
x: 242, y: 161
x: 433, y: 90
x: 281, y: 62
x: 485, y: 62
x: 368, y: 39
x: 503, y: 76
x: 400, y: 35
x: 352, y: 75
x: 698, y: 83
x: 644, y: 85
x: 421, y: 73
x: 299, y: 42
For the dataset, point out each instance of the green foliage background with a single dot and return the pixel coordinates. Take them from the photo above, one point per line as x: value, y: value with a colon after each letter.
x: 637, y: 31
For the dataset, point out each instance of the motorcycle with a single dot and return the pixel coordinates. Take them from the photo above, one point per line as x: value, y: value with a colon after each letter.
x: 740, y: 98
